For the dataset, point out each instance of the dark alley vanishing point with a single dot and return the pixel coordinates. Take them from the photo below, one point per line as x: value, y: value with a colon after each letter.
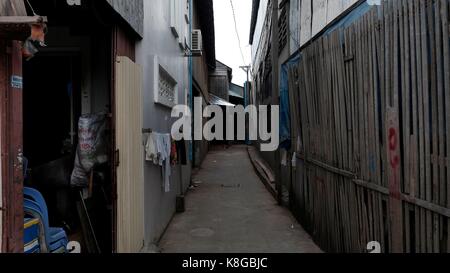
x: 230, y: 210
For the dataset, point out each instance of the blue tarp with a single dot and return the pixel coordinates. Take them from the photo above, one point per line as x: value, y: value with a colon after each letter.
x: 285, y: 116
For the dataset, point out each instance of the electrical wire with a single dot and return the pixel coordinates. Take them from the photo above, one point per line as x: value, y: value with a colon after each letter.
x: 31, y: 7
x: 237, y: 33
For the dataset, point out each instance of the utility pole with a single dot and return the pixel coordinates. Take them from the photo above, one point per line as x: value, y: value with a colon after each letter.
x: 276, y: 91
x: 246, y: 94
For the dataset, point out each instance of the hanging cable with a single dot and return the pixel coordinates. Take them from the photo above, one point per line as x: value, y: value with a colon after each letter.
x: 31, y: 7
x: 237, y: 33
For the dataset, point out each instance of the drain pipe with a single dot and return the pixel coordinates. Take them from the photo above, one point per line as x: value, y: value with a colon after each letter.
x: 180, y: 199
x: 191, y: 75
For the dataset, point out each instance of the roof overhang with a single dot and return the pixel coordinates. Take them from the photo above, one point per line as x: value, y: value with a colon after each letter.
x: 255, y: 10
x: 131, y: 12
x: 234, y: 94
x: 205, y: 11
x: 17, y: 27
x: 215, y: 100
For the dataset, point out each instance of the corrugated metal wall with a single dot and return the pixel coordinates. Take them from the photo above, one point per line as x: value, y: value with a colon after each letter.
x: 130, y: 173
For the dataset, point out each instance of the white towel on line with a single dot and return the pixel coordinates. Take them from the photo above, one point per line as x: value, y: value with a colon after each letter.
x: 151, y: 152
x: 158, y: 150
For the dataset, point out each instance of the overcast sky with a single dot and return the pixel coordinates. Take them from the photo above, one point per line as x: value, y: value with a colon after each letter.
x: 227, y: 45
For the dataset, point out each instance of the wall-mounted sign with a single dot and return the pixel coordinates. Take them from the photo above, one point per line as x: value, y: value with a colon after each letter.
x: 17, y: 82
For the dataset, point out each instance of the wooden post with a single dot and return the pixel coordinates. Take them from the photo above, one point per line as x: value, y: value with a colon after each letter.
x: 394, y: 169
x: 12, y: 176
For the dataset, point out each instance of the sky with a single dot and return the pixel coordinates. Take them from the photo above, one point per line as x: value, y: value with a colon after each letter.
x: 227, y: 43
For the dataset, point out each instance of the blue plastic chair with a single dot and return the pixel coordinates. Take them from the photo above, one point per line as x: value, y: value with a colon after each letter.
x: 55, y: 239
x: 34, y: 204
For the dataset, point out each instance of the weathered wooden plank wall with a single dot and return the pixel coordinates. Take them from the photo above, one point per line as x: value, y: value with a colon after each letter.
x: 315, y: 15
x: 373, y: 102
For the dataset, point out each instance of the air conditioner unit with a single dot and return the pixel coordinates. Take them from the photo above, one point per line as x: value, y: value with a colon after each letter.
x: 197, y: 42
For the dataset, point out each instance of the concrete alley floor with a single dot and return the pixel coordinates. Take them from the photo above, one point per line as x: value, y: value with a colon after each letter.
x: 232, y: 212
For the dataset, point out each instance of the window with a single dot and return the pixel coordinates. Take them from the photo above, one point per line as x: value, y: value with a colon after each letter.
x: 165, y: 86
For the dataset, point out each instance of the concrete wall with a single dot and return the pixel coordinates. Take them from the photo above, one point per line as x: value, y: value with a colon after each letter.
x: 160, y: 206
x: 132, y: 12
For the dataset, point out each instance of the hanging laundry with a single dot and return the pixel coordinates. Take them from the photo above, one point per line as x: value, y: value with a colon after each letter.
x: 178, y: 154
x: 174, y: 153
x: 165, y: 153
x: 158, y: 150
x: 181, y: 151
x: 151, y: 152
x: 159, y: 145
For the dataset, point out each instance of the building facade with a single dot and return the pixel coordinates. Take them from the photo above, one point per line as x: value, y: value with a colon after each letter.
x: 203, y: 20
x: 220, y: 80
x: 163, y: 59
x: 127, y: 61
x: 299, y: 22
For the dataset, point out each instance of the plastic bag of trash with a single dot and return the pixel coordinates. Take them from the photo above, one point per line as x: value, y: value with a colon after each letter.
x: 80, y: 177
x: 92, y: 147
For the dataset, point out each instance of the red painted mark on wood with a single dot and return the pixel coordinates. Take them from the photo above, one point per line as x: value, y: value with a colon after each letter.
x: 392, y: 139
x: 393, y: 145
x: 394, y: 160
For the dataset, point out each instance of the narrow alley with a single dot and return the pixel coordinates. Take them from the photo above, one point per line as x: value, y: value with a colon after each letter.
x: 225, y: 126
x: 230, y: 209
